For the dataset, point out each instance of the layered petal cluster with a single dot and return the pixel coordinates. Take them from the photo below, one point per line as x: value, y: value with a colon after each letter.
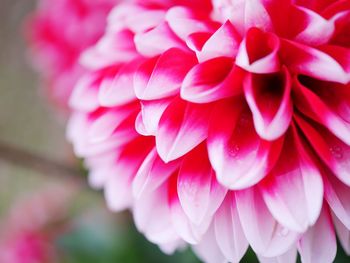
x: 224, y: 127
x: 58, y: 32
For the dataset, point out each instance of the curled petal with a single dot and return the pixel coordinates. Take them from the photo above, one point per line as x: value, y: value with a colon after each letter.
x: 265, y: 235
x: 237, y: 154
x: 318, y: 244
x: 182, y: 127
x: 262, y: 58
x: 212, y: 80
x: 294, y: 190
x: 268, y: 97
x: 199, y: 193
x: 162, y: 76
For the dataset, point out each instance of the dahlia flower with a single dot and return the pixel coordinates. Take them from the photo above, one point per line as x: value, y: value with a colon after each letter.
x: 223, y: 126
x: 57, y: 33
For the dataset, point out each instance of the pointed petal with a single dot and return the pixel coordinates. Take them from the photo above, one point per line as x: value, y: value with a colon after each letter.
x: 180, y: 221
x: 147, y: 43
x: 150, y: 115
x: 181, y: 128
x: 256, y: 15
x: 330, y: 149
x: 199, y: 193
x: 162, y: 77
x: 152, y: 173
x: 265, y: 235
x: 338, y: 195
x: 318, y: 244
x: 237, y: 154
x: 184, y: 22
x: 310, y: 28
x: 119, y: 90
x: 289, y: 257
x: 343, y: 234
x: 223, y: 43
x: 152, y: 217
x: 268, y: 97
x: 311, y: 62
x: 293, y: 192
x: 228, y: 231
x: 317, y: 100
x: 212, y: 80
x: 208, y: 250
x: 118, y: 191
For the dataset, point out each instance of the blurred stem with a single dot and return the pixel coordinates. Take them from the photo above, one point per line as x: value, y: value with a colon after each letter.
x: 40, y: 164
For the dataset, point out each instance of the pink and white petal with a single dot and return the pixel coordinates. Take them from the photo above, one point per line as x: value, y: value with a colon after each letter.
x: 184, y: 22
x: 319, y: 244
x: 147, y: 43
x: 118, y: 188
x: 223, y: 43
x: 152, y: 217
x: 141, y: 20
x: 343, y: 234
x: 238, y: 155
x: 162, y: 77
x: 179, y: 219
x: 119, y: 90
x: 182, y: 127
x: 293, y: 192
x: 208, y: 249
x: 312, y: 62
x: 264, y: 234
x: 329, y: 148
x: 262, y: 58
x: 269, y: 99
x: 335, y: 117
x: 152, y: 174
x: 228, y: 230
x: 289, y: 257
x: 84, y: 95
x: 212, y: 80
x: 310, y: 28
x: 338, y: 195
x: 257, y: 15
x: 199, y: 193
x: 151, y: 112
x: 112, y: 48
x: 104, y: 125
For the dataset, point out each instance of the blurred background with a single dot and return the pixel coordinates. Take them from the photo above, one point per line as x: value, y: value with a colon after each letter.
x: 45, y: 217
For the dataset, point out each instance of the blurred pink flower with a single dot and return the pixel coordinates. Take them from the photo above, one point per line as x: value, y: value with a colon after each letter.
x: 223, y: 128
x: 29, y: 232
x: 57, y: 33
